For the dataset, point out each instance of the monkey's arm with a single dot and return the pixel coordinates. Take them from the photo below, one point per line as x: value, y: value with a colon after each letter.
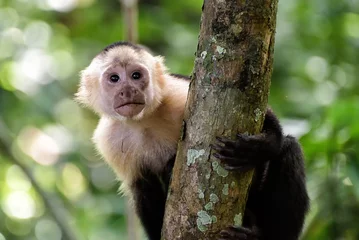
x: 149, y: 202
x: 282, y: 202
x: 149, y: 194
x: 278, y: 198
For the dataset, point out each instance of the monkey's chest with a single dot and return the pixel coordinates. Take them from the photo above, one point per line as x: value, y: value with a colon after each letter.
x: 128, y: 149
x: 149, y: 149
x: 139, y: 150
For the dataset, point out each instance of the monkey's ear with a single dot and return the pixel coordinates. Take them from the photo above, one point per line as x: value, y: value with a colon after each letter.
x: 88, y: 91
x: 160, y: 65
x: 160, y: 70
x: 160, y: 59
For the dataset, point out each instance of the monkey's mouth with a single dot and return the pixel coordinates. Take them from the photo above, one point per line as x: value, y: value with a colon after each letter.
x: 130, y: 103
x: 130, y: 109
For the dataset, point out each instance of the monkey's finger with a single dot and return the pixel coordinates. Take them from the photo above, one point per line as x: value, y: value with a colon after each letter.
x: 244, y: 137
x: 252, y: 139
x: 234, y: 161
x: 247, y: 231
x: 240, y: 229
x: 223, y: 150
x: 225, y: 233
x: 232, y: 168
x: 226, y: 141
x: 238, y: 168
x: 216, y: 147
x: 229, y: 234
x: 227, y: 159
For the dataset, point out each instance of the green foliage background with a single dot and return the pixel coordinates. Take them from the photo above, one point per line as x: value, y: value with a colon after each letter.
x: 45, y: 43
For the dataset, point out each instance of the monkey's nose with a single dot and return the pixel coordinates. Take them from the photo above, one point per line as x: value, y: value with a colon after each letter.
x: 128, y: 92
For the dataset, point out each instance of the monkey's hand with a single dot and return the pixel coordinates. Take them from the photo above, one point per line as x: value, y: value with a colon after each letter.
x: 247, y: 151
x: 238, y: 233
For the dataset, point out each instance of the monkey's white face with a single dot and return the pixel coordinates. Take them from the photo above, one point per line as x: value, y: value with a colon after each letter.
x: 124, y: 89
x: 121, y: 84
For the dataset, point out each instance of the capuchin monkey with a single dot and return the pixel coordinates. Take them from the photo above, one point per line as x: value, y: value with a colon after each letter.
x: 141, y: 107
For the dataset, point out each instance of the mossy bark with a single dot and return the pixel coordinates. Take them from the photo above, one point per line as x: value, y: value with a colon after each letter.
x: 228, y: 94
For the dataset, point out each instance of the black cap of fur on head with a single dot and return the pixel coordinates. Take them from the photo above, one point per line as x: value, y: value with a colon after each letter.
x: 136, y: 47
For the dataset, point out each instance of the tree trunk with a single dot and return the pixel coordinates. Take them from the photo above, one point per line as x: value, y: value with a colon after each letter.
x: 228, y: 94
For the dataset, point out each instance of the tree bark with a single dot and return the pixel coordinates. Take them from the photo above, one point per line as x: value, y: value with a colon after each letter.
x: 228, y: 94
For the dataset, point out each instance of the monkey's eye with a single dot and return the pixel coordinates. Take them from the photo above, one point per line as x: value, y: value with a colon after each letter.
x: 136, y: 75
x: 114, y: 78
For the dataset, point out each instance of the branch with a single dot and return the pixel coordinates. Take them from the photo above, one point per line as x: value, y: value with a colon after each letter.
x: 130, y: 12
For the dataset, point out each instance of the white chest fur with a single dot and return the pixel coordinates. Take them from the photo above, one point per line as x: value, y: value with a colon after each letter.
x: 128, y: 147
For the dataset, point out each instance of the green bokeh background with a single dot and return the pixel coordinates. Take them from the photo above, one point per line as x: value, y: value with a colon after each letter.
x: 45, y: 43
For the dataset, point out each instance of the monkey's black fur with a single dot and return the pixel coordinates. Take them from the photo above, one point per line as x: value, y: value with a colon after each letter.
x: 150, y: 197
x: 180, y: 76
x: 121, y: 43
x: 277, y: 201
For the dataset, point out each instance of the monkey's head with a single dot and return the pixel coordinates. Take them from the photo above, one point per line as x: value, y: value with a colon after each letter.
x: 124, y: 81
